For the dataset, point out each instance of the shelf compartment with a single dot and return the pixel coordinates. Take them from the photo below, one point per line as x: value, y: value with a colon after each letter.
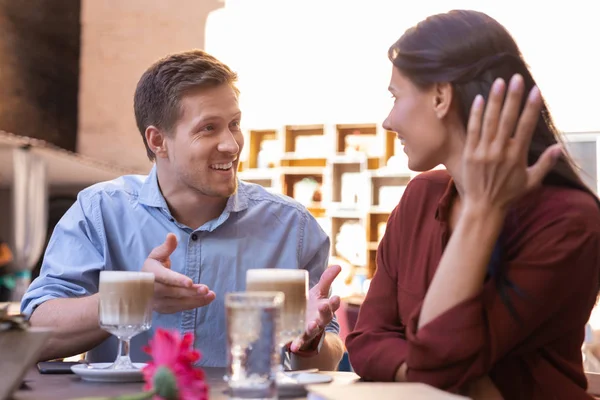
x: 255, y: 141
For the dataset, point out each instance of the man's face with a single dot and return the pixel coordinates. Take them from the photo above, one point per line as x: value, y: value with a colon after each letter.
x: 204, y: 147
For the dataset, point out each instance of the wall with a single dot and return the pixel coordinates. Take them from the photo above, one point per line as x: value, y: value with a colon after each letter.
x: 120, y: 39
x: 5, y: 214
x: 39, y: 69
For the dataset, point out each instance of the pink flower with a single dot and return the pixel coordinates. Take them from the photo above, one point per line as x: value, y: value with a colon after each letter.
x: 172, y: 353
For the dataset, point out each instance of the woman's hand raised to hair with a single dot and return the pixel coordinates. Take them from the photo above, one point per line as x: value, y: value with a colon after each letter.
x: 494, y: 163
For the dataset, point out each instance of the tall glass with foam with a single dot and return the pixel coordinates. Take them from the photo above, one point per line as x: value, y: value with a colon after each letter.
x: 125, y: 308
x: 294, y: 285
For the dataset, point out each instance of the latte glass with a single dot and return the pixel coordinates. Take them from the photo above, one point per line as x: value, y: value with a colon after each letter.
x: 294, y: 285
x: 125, y: 308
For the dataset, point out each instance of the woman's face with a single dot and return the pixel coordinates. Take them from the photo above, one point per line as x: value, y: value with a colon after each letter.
x: 415, y: 118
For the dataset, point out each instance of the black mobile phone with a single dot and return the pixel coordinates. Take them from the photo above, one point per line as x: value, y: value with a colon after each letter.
x: 56, y: 367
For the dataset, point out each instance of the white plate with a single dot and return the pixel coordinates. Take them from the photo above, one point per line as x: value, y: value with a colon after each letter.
x: 290, y: 388
x: 97, y: 372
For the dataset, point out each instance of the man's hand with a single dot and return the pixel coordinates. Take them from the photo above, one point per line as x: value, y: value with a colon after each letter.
x: 321, y: 307
x: 173, y: 292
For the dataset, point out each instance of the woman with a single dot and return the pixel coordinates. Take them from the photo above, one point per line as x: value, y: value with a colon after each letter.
x: 488, y: 271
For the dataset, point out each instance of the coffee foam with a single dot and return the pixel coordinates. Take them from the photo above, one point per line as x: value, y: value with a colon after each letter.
x: 276, y: 275
x: 125, y: 276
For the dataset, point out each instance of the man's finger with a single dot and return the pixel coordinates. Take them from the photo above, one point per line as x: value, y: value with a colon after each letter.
x: 165, y: 275
x: 172, y: 305
x: 164, y: 251
x: 327, y: 279
x: 163, y: 290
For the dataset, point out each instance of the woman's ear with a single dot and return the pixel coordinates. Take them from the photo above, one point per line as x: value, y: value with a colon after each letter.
x: 442, y: 99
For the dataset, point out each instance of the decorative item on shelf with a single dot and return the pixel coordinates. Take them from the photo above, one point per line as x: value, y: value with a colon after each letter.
x: 318, y: 194
x: 305, y: 189
x: 350, y: 243
x: 381, y: 230
x: 389, y: 196
x: 351, y: 188
x: 311, y: 146
x: 268, y: 155
x: 357, y: 142
x: 171, y: 374
x: 352, y: 143
x: 398, y: 163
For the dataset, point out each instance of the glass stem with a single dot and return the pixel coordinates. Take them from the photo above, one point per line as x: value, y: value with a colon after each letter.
x: 123, y: 360
x: 123, y: 348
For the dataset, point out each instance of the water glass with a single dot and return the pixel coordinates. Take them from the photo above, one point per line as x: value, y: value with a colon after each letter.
x: 253, y: 326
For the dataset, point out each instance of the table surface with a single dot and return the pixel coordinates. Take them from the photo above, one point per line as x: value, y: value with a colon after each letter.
x: 68, y: 386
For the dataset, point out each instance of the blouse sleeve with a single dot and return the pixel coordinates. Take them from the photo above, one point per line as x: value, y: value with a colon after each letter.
x: 556, y: 269
x: 377, y: 346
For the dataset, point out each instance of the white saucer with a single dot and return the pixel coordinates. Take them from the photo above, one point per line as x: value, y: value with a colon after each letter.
x: 97, y: 372
x: 295, y: 386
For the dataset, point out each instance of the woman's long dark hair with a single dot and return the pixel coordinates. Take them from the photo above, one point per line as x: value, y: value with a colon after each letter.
x: 470, y: 50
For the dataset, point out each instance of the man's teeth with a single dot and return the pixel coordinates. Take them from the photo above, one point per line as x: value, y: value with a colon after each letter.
x: 222, y: 166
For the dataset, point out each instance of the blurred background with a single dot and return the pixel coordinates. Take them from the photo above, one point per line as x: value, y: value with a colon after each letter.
x: 312, y: 74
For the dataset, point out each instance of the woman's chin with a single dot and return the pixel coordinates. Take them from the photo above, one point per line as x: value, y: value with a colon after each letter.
x: 416, y: 166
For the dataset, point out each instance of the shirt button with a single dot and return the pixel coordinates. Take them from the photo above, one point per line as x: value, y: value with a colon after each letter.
x: 194, y: 237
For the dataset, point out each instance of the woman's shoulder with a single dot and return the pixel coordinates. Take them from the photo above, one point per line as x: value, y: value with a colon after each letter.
x: 427, y: 185
x: 556, y: 206
x: 422, y: 197
x: 434, y: 177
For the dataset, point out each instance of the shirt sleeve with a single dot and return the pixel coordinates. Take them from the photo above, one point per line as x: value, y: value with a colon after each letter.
x: 73, y: 259
x: 556, y: 270
x: 313, y: 254
x: 377, y: 346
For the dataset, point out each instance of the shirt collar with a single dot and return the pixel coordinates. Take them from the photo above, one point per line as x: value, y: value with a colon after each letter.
x: 151, y: 195
x: 239, y: 200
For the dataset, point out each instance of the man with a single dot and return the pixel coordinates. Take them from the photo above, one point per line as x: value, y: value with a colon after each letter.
x: 212, y: 228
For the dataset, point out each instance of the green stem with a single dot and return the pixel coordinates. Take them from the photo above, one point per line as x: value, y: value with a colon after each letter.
x: 137, y: 396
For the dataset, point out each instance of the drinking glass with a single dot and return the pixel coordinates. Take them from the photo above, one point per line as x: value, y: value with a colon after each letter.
x: 125, y: 309
x: 253, y: 322
x: 294, y: 285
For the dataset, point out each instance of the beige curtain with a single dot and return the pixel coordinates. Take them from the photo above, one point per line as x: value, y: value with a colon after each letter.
x: 30, y: 208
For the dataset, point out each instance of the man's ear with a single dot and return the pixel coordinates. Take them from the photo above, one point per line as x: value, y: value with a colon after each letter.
x: 157, y: 142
